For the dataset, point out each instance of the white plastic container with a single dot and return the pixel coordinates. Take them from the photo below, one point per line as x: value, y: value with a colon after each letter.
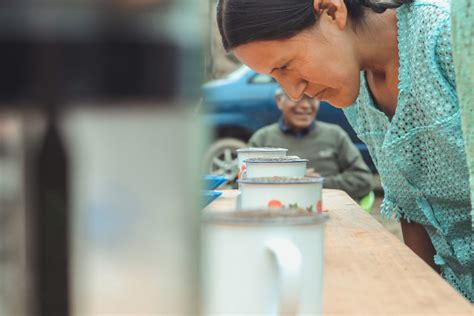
x: 290, y: 166
x: 281, y: 192
x: 262, y: 263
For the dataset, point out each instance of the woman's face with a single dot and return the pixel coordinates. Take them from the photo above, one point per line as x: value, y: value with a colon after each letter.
x: 319, y: 62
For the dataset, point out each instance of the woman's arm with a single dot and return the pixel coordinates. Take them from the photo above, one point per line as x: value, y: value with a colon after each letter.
x: 417, y: 239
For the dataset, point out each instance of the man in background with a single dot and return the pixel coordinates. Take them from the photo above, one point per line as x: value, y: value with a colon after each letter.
x: 328, y: 148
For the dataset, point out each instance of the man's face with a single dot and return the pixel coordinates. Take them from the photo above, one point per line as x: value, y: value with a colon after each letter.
x: 298, y: 115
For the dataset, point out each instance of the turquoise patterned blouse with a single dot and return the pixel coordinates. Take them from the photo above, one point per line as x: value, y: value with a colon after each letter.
x: 420, y: 153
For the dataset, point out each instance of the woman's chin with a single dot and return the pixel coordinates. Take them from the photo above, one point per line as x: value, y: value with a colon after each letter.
x: 340, y: 102
x: 339, y: 105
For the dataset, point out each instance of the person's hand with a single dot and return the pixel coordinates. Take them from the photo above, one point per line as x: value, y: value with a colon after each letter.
x: 311, y: 173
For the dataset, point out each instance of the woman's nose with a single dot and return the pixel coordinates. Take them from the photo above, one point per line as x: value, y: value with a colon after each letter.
x: 293, y: 87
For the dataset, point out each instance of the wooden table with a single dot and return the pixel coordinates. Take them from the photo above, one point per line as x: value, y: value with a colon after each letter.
x: 368, y: 271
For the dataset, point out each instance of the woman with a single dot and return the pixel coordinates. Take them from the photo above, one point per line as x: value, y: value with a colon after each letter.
x: 392, y: 73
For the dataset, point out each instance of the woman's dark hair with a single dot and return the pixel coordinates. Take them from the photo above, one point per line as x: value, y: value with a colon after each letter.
x: 244, y: 21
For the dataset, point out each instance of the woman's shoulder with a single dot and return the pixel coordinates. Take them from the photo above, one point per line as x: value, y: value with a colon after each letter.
x: 423, y: 17
x: 443, y: 5
x: 424, y: 34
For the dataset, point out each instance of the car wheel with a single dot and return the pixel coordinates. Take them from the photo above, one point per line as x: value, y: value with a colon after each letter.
x: 221, y: 158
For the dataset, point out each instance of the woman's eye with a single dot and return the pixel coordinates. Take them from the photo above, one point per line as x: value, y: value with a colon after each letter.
x: 284, y: 67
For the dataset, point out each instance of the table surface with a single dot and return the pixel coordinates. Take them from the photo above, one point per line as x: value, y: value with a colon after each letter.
x: 368, y: 271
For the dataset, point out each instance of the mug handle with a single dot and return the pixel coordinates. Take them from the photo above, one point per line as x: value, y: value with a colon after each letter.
x: 288, y: 260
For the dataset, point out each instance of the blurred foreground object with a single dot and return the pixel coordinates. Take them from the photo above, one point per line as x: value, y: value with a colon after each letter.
x: 462, y: 12
x: 274, y: 267
x: 99, y: 186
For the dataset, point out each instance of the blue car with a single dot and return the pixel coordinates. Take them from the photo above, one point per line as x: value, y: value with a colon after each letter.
x: 241, y: 103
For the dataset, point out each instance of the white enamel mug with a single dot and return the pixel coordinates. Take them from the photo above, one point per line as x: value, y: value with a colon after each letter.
x: 262, y: 263
x: 281, y: 192
x: 290, y: 166
x: 257, y: 152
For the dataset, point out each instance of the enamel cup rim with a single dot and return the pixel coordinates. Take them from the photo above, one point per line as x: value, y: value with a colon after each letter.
x: 274, y: 160
x: 261, y: 149
x: 281, y: 180
x: 264, y: 217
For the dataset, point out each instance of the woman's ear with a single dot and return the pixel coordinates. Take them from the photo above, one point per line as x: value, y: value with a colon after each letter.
x: 334, y: 10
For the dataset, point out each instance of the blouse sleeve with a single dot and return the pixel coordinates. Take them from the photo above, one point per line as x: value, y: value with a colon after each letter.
x: 444, y: 52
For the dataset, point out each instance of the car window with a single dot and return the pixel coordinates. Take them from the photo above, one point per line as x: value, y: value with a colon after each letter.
x: 262, y: 78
